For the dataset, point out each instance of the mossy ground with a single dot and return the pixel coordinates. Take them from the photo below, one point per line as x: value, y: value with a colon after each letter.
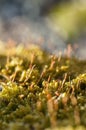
x: 39, y: 91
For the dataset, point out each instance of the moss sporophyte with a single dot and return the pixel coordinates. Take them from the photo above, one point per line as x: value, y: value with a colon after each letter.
x: 41, y: 92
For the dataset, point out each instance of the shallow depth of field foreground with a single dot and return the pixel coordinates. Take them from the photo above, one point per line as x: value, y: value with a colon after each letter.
x: 39, y: 91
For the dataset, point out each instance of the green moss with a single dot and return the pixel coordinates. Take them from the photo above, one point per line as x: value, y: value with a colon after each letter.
x: 39, y: 91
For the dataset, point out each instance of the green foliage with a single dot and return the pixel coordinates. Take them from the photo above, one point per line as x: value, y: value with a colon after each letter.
x: 41, y: 92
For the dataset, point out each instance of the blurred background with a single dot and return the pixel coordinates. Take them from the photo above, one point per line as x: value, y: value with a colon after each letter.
x: 52, y: 24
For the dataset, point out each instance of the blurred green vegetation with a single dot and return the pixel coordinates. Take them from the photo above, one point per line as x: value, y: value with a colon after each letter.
x: 69, y: 19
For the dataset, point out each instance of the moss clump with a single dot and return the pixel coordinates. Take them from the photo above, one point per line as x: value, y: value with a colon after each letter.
x: 41, y: 92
